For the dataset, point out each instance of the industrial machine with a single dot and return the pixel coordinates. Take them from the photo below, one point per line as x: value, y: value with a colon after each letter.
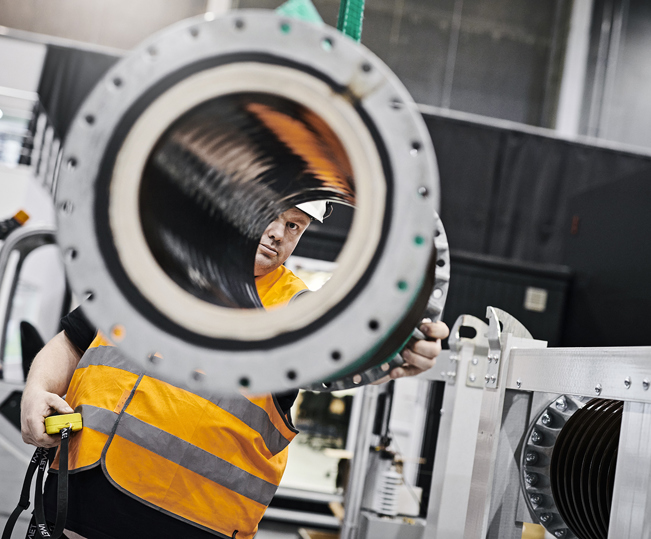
x: 559, y: 437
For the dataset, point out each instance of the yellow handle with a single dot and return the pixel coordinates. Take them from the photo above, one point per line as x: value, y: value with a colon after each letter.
x: 56, y: 423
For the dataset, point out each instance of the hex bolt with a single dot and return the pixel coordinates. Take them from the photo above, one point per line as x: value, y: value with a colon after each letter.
x: 531, y: 479
x: 475, y: 361
x: 493, y: 378
x: 531, y: 457
x: 560, y: 533
x: 536, y: 499
x: 627, y: 382
x: 561, y: 404
x: 487, y: 378
x: 545, y: 518
x: 597, y: 389
x: 518, y: 383
x: 645, y: 384
x: 546, y: 419
x: 472, y: 378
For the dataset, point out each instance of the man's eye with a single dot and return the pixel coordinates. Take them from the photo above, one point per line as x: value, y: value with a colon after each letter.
x: 293, y: 226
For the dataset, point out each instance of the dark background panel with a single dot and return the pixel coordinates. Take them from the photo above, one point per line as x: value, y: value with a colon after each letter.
x: 467, y: 155
x: 610, y: 253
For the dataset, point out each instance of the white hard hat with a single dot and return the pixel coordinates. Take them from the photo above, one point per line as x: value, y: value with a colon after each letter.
x: 317, y: 209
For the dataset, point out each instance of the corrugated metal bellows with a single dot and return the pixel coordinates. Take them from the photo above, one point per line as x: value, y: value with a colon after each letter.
x: 184, y: 153
x: 568, y: 466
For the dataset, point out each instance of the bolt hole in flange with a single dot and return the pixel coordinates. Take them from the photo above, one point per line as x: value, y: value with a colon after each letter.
x: 568, y: 466
x: 224, y: 138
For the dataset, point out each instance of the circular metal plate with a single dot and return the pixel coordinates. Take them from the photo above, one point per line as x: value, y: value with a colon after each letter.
x: 384, y: 135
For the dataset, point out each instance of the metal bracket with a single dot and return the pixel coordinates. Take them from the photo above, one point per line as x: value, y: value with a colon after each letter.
x: 509, y: 325
x: 459, y: 345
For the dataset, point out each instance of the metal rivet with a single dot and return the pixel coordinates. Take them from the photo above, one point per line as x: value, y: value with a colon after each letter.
x: 487, y: 378
x: 627, y: 382
x: 518, y: 383
x: 546, y: 419
x: 597, y: 389
x: 546, y: 517
x: 475, y: 361
x: 472, y: 378
x: 493, y: 378
x: 645, y: 384
x: 560, y: 533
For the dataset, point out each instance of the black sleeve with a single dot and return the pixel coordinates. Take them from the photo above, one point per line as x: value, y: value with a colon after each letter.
x: 78, y: 329
x: 286, y: 400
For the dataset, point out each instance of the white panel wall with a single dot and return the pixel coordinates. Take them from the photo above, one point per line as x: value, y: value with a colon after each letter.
x: 20, y: 64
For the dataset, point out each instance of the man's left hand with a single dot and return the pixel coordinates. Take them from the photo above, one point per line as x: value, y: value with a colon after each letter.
x: 420, y: 354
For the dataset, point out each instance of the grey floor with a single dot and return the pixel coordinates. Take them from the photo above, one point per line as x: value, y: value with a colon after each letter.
x: 14, y: 458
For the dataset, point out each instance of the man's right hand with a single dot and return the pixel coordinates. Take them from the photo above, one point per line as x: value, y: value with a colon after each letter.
x: 48, y: 378
x: 36, y: 405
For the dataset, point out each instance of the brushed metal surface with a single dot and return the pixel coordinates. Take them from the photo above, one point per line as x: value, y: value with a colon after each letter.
x: 630, y: 516
x: 608, y: 373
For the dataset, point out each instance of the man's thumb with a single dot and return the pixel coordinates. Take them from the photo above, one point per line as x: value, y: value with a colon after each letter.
x: 60, y: 405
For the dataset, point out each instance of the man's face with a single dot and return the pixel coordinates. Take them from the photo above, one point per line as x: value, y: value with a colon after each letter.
x: 279, y: 240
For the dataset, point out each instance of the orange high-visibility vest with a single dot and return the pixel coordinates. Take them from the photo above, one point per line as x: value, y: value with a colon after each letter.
x: 214, y: 462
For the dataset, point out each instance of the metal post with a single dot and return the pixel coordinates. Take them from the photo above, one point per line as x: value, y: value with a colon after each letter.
x: 451, y: 60
x: 455, y: 446
x: 355, y: 487
x: 576, y: 62
x: 630, y: 515
x: 490, y: 420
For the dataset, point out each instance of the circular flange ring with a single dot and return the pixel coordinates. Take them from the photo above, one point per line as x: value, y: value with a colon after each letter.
x: 379, y: 110
x: 535, y: 462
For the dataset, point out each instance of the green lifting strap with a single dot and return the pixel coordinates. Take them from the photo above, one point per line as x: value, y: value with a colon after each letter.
x: 300, y: 9
x: 351, y: 13
x: 349, y: 22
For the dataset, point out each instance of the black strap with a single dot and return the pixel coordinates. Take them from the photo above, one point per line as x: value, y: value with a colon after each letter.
x: 32, y: 530
x: 38, y: 527
x: 23, y: 502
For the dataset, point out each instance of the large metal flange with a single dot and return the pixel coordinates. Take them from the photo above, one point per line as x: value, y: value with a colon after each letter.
x: 382, y: 267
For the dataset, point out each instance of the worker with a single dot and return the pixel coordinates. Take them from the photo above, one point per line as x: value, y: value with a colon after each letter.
x: 155, y: 460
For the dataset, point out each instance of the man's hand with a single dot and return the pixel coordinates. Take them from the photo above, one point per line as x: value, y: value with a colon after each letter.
x: 48, y: 378
x: 36, y: 405
x: 420, y: 355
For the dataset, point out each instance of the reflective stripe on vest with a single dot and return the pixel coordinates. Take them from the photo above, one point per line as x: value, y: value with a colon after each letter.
x: 211, y: 461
